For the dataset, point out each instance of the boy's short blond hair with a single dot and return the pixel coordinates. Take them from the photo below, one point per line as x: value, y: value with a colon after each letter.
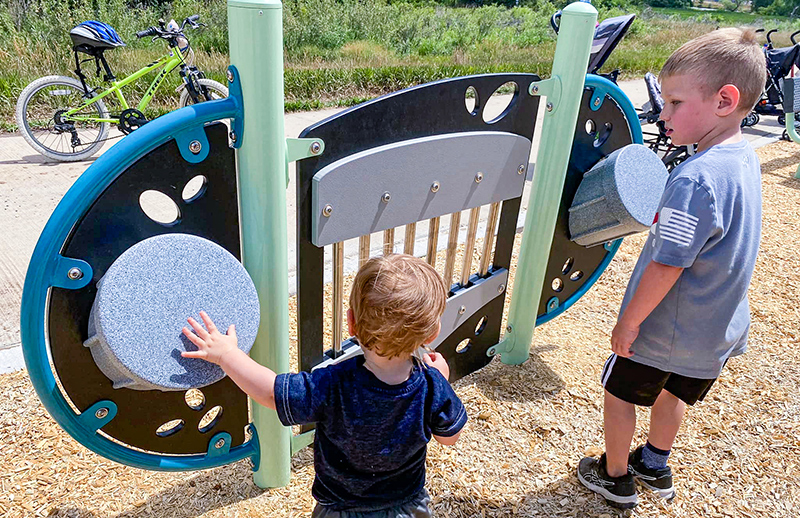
x: 722, y: 57
x: 397, y: 301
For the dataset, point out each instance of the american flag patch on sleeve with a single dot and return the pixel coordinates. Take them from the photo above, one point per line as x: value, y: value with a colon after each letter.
x: 677, y: 226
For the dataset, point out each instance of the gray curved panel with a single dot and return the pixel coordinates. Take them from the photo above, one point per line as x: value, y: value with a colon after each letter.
x: 393, y: 185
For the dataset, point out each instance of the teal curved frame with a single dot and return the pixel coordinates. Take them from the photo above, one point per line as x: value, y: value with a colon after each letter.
x: 48, y: 268
x: 601, y: 87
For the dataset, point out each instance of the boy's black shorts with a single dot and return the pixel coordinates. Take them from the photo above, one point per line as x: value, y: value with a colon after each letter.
x: 641, y: 384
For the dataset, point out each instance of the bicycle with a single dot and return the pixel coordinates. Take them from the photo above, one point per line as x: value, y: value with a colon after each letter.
x: 63, y: 118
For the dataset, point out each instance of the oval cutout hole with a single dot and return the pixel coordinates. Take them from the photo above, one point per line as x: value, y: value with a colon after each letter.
x: 170, y: 428
x: 602, y: 135
x: 557, y: 284
x: 210, y: 419
x: 576, y: 275
x: 567, y: 265
x: 463, y: 346
x: 500, y: 102
x: 194, y: 188
x: 159, y: 207
x: 471, y: 100
x: 590, y: 127
x: 481, y: 325
x: 195, y: 399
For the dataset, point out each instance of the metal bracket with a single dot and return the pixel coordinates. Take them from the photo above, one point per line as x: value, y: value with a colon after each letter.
x: 235, y: 91
x: 301, y: 441
x: 550, y: 88
x: 72, y: 274
x: 300, y: 148
x: 98, y: 415
x: 193, y: 144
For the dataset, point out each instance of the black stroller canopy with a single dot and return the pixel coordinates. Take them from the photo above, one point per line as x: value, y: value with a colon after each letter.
x: 780, y: 61
x: 606, y: 37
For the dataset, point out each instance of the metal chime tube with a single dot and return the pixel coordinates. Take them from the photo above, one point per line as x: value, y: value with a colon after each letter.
x: 472, y: 230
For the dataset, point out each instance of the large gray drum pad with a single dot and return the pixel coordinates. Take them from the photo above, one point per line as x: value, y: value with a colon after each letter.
x: 143, y: 302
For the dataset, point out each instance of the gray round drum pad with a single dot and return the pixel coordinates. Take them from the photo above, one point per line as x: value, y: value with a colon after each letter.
x: 143, y: 302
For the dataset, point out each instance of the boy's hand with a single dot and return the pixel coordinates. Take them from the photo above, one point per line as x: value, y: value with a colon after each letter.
x: 438, y: 362
x: 622, y: 338
x: 212, y: 345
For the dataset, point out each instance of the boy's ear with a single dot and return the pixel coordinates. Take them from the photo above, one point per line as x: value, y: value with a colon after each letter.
x: 434, y: 335
x: 351, y: 322
x: 727, y: 100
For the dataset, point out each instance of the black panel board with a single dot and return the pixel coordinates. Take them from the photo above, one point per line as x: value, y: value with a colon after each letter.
x: 585, y: 154
x: 421, y: 111
x: 113, y: 224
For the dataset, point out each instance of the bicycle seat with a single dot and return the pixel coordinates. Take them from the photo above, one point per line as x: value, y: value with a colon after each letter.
x: 92, y: 35
x: 654, y: 92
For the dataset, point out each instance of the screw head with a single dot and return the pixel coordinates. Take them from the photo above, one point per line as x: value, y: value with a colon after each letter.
x: 101, y: 413
x: 478, y: 177
x: 232, y: 135
x: 195, y: 146
x: 492, y: 351
x: 230, y: 76
x: 386, y: 197
x: 549, y: 107
x: 509, y: 328
x: 521, y: 169
x: 315, y: 148
x: 219, y: 444
x: 462, y: 310
x: 501, y: 288
x: 327, y: 210
x: 536, y: 89
x: 435, y: 187
x: 597, y: 101
x: 260, y: 13
x: 75, y: 273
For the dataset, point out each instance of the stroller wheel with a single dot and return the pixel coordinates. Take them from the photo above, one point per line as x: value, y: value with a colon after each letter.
x: 751, y: 119
x: 782, y: 119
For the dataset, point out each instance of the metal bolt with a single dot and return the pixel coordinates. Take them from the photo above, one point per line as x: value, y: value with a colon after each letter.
x: 386, y: 197
x: 549, y: 107
x: 521, y: 169
x: 75, y: 273
x: 260, y: 13
x: 435, y: 187
x: 195, y: 146
x: 462, y: 310
x: 478, y: 177
x: 536, y: 89
x: 219, y: 444
x: 101, y: 413
x: 232, y: 135
x: 597, y: 101
x: 501, y: 288
x: 509, y: 328
x: 492, y: 351
x: 315, y: 148
x: 230, y: 76
x: 327, y: 211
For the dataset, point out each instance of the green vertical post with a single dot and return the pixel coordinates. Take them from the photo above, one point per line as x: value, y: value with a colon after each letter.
x: 255, y: 29
x: 790, y: 129
x: 564, y: 91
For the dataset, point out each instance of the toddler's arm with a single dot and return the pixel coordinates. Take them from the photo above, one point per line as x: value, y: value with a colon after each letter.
x: 438, y: 362
x: 656, y: 282
x: 254, y: 379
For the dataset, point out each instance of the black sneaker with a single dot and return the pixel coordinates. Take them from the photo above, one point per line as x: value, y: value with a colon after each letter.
x: 658, y: 480
x: 619, y: 492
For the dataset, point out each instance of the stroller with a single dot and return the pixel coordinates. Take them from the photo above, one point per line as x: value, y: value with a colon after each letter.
x: 607, y: 35
x: 659, y: 142
x: 779, y: 65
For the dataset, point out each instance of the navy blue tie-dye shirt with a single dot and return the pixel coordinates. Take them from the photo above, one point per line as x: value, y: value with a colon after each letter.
x: 371, y: 437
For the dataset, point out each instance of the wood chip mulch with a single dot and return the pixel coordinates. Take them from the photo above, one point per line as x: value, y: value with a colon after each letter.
x: 737, y: 455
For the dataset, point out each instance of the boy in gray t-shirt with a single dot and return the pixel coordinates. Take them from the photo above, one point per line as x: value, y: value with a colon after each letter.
x: 685, y: 311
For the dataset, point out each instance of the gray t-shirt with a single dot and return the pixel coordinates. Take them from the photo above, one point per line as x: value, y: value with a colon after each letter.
x: 709, y: 223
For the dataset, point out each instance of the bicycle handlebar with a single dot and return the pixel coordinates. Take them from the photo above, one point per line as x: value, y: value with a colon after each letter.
x: 167, y: 34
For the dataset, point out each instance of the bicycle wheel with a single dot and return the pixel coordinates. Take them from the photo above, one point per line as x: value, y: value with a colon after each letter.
x: 207, y: 90
x: 39, y: 116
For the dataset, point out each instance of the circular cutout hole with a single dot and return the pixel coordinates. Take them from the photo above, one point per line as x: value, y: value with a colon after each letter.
x: 159, y: 207
x: 500, y: 102
x: 194, y: 188
x: 195, y: 399
x: 210, y: 419
x: 481, y: 325
x: 463, y: 346
x: 170, y: 428
x: 576, y: 275
x: 590, y: 127
x: 602, y: 135
x: 471, y: 100
x: 567, y: 265
x: 557, y: 284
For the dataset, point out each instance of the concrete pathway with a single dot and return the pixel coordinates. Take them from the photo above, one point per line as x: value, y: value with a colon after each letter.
x: 31, y: 186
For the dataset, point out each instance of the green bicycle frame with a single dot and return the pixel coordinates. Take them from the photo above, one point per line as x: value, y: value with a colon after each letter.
x: 169, y: 62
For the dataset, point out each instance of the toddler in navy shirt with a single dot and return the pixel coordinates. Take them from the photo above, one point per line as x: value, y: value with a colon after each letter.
x: 375, y: 413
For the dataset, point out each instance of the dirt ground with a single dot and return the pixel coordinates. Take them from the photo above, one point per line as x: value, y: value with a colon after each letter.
x: 736, y: 455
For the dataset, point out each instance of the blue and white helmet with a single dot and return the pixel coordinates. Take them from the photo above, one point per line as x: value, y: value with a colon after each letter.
x: 95, y: 34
